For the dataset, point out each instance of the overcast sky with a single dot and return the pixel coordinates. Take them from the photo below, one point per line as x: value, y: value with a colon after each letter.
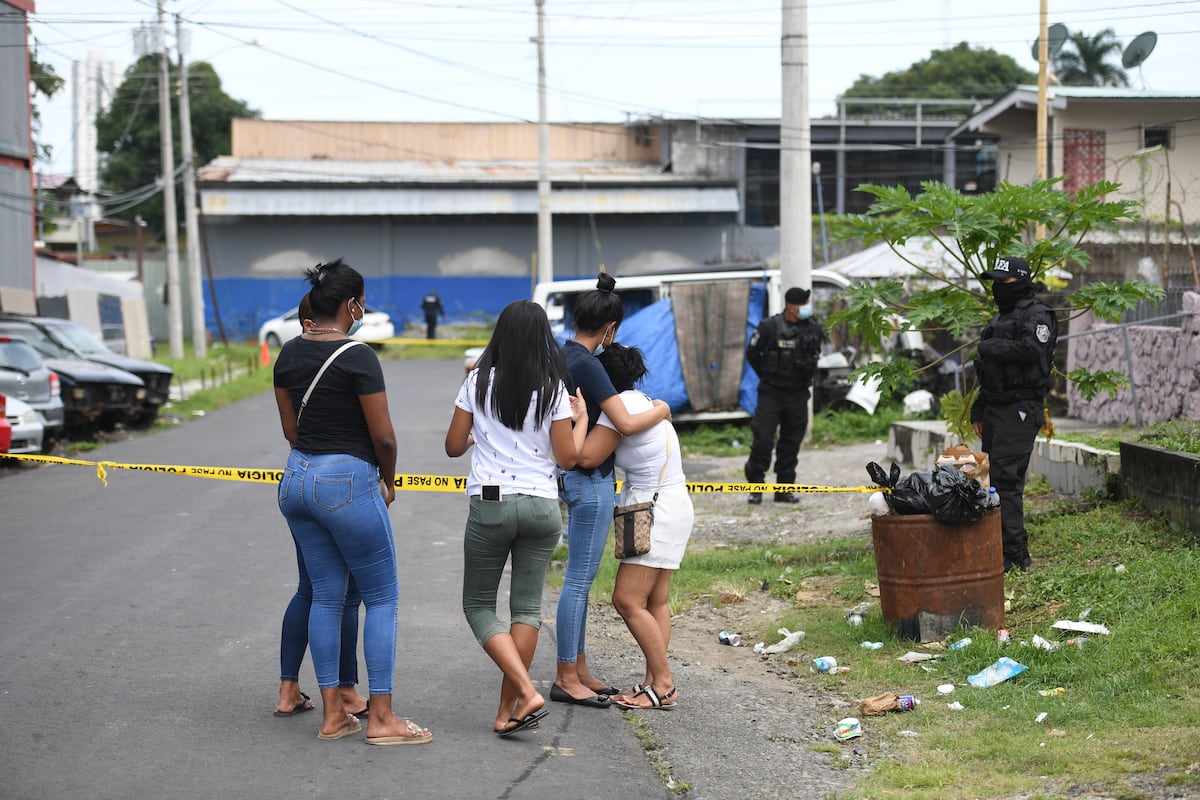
x: 454, y: 60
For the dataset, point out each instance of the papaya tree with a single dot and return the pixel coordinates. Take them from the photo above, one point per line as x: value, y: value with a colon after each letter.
x: 1038, y: 222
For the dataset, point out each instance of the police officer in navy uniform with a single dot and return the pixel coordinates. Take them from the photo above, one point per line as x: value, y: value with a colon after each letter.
x: 783, y: 352
x: 431, y: 304
x: 1016, y: 354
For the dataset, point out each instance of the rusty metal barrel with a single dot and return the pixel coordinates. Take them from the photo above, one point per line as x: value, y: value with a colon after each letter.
x: 935, y: 578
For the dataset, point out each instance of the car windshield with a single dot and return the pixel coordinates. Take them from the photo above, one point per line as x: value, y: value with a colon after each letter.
x: 43, y: 343
x: 18, y: 356
x: 78, y: 338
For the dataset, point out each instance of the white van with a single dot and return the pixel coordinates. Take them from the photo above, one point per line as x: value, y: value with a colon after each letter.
x: 712, y: 307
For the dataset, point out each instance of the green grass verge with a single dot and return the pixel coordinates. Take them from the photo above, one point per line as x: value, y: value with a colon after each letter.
x: 1131, y: 703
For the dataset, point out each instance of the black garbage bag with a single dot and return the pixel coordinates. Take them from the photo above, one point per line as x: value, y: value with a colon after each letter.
x: 883, y: 479
x: 944, y: 491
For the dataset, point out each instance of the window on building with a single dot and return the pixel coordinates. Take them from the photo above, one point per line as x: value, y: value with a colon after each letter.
x: 1158, y: 136
x: 762, y: 184
x: 1082, y: 159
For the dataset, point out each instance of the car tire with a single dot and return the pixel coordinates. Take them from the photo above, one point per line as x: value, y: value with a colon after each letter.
x: 273, y: 341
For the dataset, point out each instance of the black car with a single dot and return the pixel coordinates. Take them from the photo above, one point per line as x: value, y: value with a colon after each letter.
x: 156, y: 377
x: 93, y: 395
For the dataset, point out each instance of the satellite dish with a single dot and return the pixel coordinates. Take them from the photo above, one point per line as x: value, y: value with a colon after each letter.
x: 1139, y: 50
x: 1056, y: 37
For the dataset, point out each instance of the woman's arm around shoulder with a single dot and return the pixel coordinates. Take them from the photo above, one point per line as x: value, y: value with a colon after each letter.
x: 627, y: 423
x: 567, y: 435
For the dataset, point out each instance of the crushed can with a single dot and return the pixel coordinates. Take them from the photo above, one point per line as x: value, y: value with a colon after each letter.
x: 1002, y: 636
x: 731, y: 639
x: 907, y: 702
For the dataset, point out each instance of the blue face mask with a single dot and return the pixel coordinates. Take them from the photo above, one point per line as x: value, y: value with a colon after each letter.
x: 357, y: 323
x: 600, y: 347
x: 804, y: 312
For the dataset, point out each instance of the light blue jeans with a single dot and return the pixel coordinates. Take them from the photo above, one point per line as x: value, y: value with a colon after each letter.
x: 589, y: 500
x: 332, y: 504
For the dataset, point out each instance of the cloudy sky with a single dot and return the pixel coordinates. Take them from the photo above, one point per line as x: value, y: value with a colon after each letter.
x: 455, y: 60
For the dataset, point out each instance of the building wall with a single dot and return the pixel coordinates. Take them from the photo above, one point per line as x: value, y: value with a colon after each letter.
x: 422, y: 141
x: 708, y: 151
x: 16, y: 188
x: 93, y: 83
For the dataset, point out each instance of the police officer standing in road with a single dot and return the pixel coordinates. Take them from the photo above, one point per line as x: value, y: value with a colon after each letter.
x: 431, y: 304
x: 783, y: 352
x: 1016, y: 355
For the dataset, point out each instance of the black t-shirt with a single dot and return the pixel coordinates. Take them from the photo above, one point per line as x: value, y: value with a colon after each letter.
x: 333, y: 420
x: 587, y: 373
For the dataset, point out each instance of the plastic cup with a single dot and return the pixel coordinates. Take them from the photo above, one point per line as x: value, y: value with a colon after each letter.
x: 823, y: 665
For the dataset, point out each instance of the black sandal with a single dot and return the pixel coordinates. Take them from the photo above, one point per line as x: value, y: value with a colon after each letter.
x: 664, y: 703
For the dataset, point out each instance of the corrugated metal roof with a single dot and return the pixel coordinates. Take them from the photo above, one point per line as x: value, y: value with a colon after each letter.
x: 1117, y: 93
x: 436, y: 201
x: 227, y: 169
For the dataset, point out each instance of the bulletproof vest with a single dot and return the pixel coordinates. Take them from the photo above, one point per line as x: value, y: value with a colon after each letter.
x: 1010, y: 381
x: 791, y: 360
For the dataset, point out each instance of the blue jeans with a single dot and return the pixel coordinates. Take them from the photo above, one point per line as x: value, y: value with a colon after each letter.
x: 332, y: 504
x: 521, y: 525
x: 589, y: 500
x: 293, y: 638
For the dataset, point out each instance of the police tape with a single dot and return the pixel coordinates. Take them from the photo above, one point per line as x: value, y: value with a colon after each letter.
x: 405, y: 482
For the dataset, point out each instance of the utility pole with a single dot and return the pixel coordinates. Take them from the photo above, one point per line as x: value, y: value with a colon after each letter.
x: 795, y: 152
x: 199, y: 337
x: 174, y: 297
x: 1043, y: 88
x: 545, y: 254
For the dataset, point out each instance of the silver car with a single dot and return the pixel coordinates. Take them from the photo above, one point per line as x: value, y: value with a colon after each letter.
x: 26, y: 377
x: 28, y: 429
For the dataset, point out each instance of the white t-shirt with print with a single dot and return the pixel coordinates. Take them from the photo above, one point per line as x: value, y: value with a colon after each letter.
x: 641, y: 454
x: 522, y: 462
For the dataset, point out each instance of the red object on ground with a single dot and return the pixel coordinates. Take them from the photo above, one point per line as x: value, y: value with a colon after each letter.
x: 264, y: 357
x: 5, y: 428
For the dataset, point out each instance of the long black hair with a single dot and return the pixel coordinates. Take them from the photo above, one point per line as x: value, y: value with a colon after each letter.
x: 332, y: 284
x: 522, y: 360
x: 597, y: 307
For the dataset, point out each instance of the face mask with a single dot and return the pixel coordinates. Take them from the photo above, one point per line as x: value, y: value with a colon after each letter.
x: 600, y: 347
x: 357, y: 323
x: 804, y: 312
x: 1006, y: 295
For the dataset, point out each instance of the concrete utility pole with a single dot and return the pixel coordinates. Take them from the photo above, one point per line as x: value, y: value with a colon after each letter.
x: 545, y: 254
x: 174, y: 297
x: 1043, y: 88
x: 199, y: 338
x: 795, y: 152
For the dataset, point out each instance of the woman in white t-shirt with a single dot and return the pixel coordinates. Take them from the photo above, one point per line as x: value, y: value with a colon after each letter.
x: 514, y: 408
x: 649, y: 458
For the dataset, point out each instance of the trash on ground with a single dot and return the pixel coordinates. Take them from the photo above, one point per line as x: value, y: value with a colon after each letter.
x: 731, y: 639
x: 885, y: 703
x: 1052, y: 692
x: 1044, y: 644
x: 908, y: 734
x: 946, y: 688
x: 871, y: 589
x: 848, y: 728
x: 823, y: 665
x: 955, y: 706
x: 854, y: 618
x: 999, y: 672
x: 960, y: 644
x: 1040, y: 718
x: 1079, y: 626
x: 1119, y: 569
x: 1002, y: 636
x: 790, y: 639
x: 872, y: 645
x: 1077, y: 641
x: 912, y: 657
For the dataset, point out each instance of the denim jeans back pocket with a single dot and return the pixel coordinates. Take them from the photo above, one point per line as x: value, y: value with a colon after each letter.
x: 332, y: 492
x: 488, y: 513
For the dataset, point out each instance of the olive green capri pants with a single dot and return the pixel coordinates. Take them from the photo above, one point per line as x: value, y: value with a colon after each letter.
x: 520, y: 525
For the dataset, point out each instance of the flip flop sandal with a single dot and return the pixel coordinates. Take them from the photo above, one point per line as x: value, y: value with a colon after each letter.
x: 656, y: 702
x: 299, y: 708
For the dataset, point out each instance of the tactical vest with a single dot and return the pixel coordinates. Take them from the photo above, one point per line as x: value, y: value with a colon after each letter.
x: 791, y: 360
x: 1009, y: 382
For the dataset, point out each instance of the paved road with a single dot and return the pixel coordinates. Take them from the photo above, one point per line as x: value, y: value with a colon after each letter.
x: 139, y: 633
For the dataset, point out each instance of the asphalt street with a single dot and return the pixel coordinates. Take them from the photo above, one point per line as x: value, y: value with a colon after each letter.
x: 139, y: 634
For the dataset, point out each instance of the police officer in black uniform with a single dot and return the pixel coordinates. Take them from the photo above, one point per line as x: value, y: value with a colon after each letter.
x: 783, y: 352
x: 431, y: 304
x: 1016, y: 354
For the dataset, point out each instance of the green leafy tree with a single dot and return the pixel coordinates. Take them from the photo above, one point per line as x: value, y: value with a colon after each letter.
x: 1084, y: 60
x: 128, y: 133
x: 961, y: 72
x: 974, y: 230
x: 46, y: 83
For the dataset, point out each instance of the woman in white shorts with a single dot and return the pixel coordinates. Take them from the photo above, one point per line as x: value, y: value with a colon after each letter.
x: 643, y: 582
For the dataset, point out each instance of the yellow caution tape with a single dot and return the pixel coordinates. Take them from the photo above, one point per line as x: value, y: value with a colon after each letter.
x: 404, y: 482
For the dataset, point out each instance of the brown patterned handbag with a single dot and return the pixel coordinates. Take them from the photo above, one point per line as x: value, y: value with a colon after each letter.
x: 632, y: 523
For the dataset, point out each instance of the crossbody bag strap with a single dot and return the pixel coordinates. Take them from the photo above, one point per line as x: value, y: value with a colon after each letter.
x: 662, y: 473
x: 320, y: 372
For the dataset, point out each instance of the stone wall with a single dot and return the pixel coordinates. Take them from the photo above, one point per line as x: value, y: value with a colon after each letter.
x: 1165, y: 363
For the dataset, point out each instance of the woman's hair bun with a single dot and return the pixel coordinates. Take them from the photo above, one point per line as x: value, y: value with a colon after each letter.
x: 605, y: 282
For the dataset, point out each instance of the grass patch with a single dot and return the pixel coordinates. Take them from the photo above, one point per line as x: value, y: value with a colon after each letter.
x: 830, y: 427
x: 1109, y: 439
x: 1131, y: 704
x: 1182, y: 435
x: 653, y: 751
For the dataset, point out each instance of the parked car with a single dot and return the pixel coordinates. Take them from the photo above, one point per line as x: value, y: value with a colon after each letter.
x: 26, y: 426
x: 25, y: 376
x: 93, y: 395
x: 156, y: 377
x: 377, y: 326
x: 5, y: 426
